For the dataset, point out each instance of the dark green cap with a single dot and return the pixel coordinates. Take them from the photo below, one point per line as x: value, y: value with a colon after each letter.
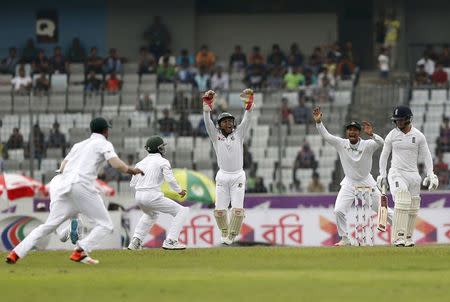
x: 224, y: 115
x: 354, y: 124
x: 99, y: 124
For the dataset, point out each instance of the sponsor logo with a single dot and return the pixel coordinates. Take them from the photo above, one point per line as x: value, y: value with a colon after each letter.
x: 158, y: 235
x: 16, y: 228
x: 330, y: 228
x: 429, y: 231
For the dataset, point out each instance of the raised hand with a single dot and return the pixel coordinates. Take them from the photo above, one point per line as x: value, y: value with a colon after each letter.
x: 247, y: 97
x: 317, y: 115
x: 367, y: 128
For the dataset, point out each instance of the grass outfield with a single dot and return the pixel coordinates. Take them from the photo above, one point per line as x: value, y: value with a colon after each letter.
x: 233, y: 274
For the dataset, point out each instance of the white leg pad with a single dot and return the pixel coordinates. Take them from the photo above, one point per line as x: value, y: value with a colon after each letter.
x: 413, y: 211
x: 402, y: 207
x: 237, y: 217
x: 222, y: 221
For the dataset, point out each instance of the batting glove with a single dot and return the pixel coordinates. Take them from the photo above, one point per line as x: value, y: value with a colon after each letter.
x: 431, y: 181
x: 381, y: 181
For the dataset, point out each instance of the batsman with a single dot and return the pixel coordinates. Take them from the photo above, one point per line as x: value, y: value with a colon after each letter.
x: 408, y: 147
x: 228, y: 140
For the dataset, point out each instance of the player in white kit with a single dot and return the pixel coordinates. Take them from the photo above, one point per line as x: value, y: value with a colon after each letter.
x: 73, y: 192
x: 355, y: 155
x: 152, y: 201
x: 408, y: 147
x: 228, y: 140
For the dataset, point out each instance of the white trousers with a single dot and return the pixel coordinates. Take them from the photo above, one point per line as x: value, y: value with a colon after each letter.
x: 343, y: 205
x: 152, y: 203
x: 230, y: 187
x: 404, y: 181
x: 79, y: 200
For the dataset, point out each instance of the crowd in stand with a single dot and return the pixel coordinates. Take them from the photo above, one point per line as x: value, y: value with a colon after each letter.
x: 433, y: 67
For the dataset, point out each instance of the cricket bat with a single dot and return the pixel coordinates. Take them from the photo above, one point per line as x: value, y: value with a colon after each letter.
x: 382, y: 210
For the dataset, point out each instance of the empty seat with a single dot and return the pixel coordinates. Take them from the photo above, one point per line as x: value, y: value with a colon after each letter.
x: 59, y: 82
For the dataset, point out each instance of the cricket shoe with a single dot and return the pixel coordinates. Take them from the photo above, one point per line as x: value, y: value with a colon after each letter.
x: 82, y: 257
x: 409, y: 243
x: 400, y: 242
x: 344, y: 242
x: 135, y: 244
x: 72, y: 232
x: 12, y: 258
x: 226, y: 240
x: 170, y: 244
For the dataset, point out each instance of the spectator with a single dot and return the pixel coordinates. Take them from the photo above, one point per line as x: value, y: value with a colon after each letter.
x: 427, y: 62
x: 383, y: 64
x: 171, y: 59
x: 39, y: 142
x: 185, y: 73
x: 302, y: 113
x: 201, y: 129
x: 259, y: 185
x: 29, y: 52
x: 145, y: 102
x: 294, y: 78
x: 286, y: 112
x: 305, y: 158
x: 76, y: 52
x: 184, y: 125
x: 58, y: 63
x: 295, y: 57
x: 185, y: 57
x: 345, y: 69
x: 324, y: 92
x: 205, y: 58
x: 238, y: 60
x: 275, y: 78
x: 147, y: 62
x: 202, y: 80
x: 439, y: 77
x: 444, y: 58
x: 256, y: 56
x: 113, y: 63
x: 255, y: 77
x: 335, y: 52
x: 113, y: 83
x: 40, y: 63
x: 421, y: 77
x: 330, y: 66
x: 92, y: 84
x: 441, y: 170
x: 15, y: 141
x: 444, y: 136
x: 21, y: 83
x: 8, y: 64
x: 94, y: 62
x: 158, y: 37
x: 220, y: 80
x: 42, y: 84
x: 248, y: 158
x: 56, y: 138
x: 392, y: 25
x: 316, y: 59
x: 166, y: 72
x: 348, y: 52
x: 166, y: 124
x: 432, y: 54
x: 325, y: 75
x: 315, y: 186
x: 276, y: 57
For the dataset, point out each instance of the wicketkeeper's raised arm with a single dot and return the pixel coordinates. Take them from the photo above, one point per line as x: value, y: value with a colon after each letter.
x: 208, y: 102
x: 247, y: 96
x: 387, y: 149
x: 331, y: 139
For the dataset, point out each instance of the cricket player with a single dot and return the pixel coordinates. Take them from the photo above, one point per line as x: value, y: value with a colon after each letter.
x: 73, y: 192
x: 355, y: 155
x: 227, y: 140
x: 409, y: 147
x: 152, y: 201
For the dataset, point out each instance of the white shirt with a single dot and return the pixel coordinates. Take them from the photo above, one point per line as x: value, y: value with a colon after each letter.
x: 18, y: 82
x: 85, y: 159
x: 383, y: 62
x: 356, y: 160
x: 429, y: 65
x: 229, y: 150
x: 407, y: 151
x: 156, y: 169
x: 221, y: 83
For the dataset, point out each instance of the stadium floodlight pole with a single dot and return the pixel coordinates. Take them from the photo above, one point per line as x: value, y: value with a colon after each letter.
x: 31, y: 141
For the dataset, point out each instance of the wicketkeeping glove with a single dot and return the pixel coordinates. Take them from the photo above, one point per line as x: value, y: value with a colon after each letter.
x: 247, y: 96
x: 208, y: 100
x: 431, y: 181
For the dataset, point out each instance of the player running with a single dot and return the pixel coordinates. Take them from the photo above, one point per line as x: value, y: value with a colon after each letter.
x: 227, y: 140
x: 73, y: 192
x: 152, y: 201
x: 408, y: 146
x: 355, y: 155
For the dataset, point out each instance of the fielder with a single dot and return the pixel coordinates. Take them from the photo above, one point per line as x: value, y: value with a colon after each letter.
x: 73, y: 192
x: 227, y: 140
x: 408, y: 146
x: 152, y: 201
x: 355, y: 155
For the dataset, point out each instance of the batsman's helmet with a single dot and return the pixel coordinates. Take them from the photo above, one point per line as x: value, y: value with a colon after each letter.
x: 99, y: 124
x: 155, y: 144
x: 401, y: 112
x: 223, y: 116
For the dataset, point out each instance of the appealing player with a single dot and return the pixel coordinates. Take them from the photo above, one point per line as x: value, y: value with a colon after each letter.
x: 227, y: 140
x: 356, y: 160
x: 73, y: 192
x: 408, y: 146
x: 152, y: 201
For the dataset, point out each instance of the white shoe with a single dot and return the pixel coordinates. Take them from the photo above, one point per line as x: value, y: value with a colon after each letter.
x: 135, y: 244
x: 409, y: 243
x: 226, y: 240
x: 72, y: 232
x: 170, y: 244
x: 400, y: 242
x: 65, y: 236
x: 344, y: 242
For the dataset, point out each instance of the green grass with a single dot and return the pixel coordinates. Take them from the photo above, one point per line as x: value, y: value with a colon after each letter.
x: 234, y: 274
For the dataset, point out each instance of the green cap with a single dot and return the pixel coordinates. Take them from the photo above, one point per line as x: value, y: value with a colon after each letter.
x: 155, y: 144
x: 224, y: 115
x: 354, y: 124
x: 99, y: 124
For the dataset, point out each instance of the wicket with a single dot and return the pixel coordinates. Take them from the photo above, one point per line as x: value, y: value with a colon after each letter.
x: 364, y: 224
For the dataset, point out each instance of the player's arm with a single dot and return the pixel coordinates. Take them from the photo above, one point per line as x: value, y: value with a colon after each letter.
x: 118, y: 164
x: 331, y: 139
x: 387, y: 149
x: 377, y: 141
x: 171, y: 180
x: 247, y: 96
x: 431, y: 180
x: 208, y: 102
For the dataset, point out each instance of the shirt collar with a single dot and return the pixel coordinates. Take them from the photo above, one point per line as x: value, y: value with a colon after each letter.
x: 98, y: 135
x: 154, y: 154
x: 355, y: 146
